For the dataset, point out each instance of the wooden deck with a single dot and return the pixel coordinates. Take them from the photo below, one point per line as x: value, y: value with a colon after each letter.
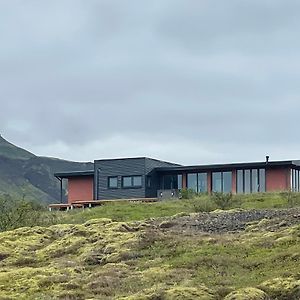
x: 92, y: 203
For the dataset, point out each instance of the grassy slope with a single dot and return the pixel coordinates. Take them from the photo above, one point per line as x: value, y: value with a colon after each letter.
x: 140, y: 211
x: 101, y: 259
x: 11, y: 151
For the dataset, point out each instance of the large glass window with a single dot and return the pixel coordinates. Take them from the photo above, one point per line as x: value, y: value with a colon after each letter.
x: 192, y: 181
x: 254, y: 181
x: 240, y: 181
x: 295, y: 180
x: 197, y: 182
x: 227, y: 182
x: 222, y: 182
x: 262, y: 180
x: 171, y: 182
x: 217, y: 182
x: 131, y: 181
x: 247, y: 187
x: 112, y: 182
x: 251, y: 181
x: 202, y: 182
x: 179, y: 180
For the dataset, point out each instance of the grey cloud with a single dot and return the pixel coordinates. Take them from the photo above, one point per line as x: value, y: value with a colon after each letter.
x: 190, y: 81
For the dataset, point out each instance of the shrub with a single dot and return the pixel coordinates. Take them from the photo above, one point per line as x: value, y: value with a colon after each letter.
x: 18, y: 213
x: 222, y: 200
x: 187, y: 194
x: 203, y: 205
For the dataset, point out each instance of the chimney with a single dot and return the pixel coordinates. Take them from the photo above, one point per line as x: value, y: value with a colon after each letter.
x: 267, y: 158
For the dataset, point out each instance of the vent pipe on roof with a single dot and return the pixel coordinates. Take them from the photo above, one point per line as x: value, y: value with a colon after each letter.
x: 267, y: 158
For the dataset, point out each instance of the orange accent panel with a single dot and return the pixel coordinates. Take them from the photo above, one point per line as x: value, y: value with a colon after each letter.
x: 80, y: 188
x: 277, y: 179
x: 184, y: 186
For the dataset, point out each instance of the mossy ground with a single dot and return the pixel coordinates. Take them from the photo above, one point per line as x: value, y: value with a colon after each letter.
x: 105, y: 259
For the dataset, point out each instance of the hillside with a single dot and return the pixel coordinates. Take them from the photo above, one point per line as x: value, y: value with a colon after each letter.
x: 25, y: 175
x: 230, y: 255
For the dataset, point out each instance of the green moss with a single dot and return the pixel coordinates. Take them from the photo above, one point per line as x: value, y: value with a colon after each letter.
x: 189, y: 293
x: 247, y: 294
x: 282, y: 288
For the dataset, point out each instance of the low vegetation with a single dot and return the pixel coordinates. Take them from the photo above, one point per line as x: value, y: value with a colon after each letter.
x: 151, y: 251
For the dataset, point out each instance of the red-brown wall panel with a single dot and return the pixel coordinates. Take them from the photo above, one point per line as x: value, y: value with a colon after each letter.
x: 278, y: 179
x: 80, y: 188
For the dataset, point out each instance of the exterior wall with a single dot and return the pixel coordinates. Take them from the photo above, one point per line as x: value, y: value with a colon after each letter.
x: 127, y: 167
x: 233, y: 188
x: 80, y: 188
x: 209, y: 182
x: 278, y: 179
x: 150, y: 165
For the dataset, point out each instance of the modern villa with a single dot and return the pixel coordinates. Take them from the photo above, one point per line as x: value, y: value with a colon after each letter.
x: 147, y: 178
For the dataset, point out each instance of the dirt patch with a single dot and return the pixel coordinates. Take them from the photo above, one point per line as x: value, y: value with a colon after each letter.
x: 232, y: 221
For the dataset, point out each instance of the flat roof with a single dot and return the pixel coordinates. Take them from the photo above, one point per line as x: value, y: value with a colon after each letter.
x: 74, y: 174
x: 138, y: 157
x: 283, y: 163
x: 232, y: 166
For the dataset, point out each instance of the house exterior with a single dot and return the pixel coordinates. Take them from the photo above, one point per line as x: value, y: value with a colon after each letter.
x: 142, y: 178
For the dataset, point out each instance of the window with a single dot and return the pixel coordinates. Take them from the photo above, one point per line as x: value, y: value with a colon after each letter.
x: 170, y: 182
x: 132, y: 181
x: 179, y: 180
x: 251, y: 181
x: 217, y: 182
x: 222, y: 182
x: 227, y: 182
x: 113, y: 182
x: 137, y: 181
x: 295, y: 180
x: 240, y: 181
x: 148, y: 181
x: 197, y: 182
x: 202, y: 182
x: 126, y: 181
x: 192, y: 181
x: 247, y: 182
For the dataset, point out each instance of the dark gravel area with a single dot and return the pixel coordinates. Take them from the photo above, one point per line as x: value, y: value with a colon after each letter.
x: 233, y: 221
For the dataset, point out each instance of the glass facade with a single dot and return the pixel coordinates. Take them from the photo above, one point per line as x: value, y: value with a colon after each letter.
x: 247, y: 181
x: 240, y: 181
x: 227, y: 182
x: 202, y: 182
x: 170, y: 182
x: 197, y: 182
x: 222, y: 182
x: 251, y: 181
x: 192, y: 182
x: 295, y: 180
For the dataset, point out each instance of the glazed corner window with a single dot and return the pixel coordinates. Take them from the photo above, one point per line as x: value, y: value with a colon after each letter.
x: 113, y: 182
x: 131, y: 181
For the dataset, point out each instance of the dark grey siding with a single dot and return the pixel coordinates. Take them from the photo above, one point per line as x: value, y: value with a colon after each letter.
x: 126, y: 167
x: 119, y: 167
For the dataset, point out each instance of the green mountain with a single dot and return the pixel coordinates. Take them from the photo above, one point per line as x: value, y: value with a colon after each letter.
x: 25, y: 175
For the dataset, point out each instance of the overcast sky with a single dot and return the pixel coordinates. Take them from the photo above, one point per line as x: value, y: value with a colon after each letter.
x: 188, y: 81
